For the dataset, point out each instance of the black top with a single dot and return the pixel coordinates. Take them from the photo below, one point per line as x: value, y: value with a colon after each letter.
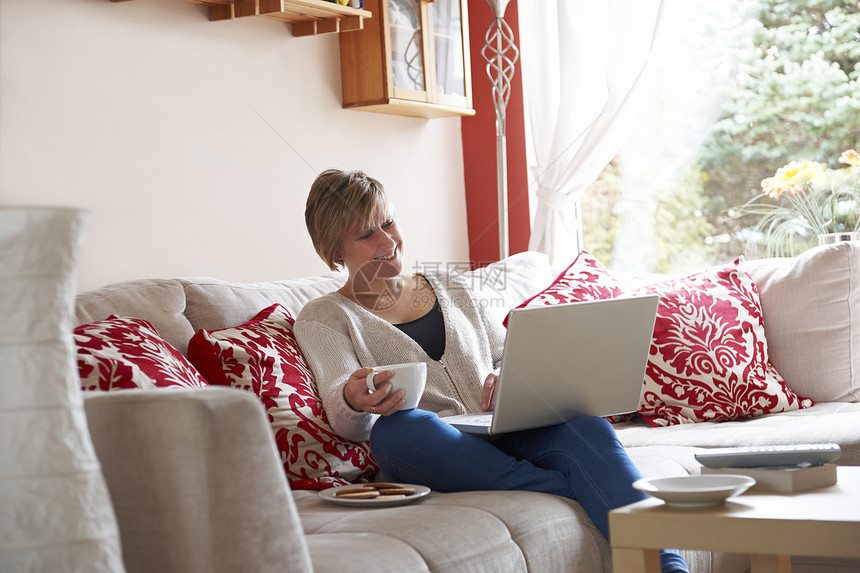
x: 428, y: 331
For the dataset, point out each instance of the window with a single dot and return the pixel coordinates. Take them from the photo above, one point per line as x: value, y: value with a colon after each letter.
x: 736, y: 90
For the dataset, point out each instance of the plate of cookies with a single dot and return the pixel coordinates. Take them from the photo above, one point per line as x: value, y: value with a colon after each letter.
x: 377, y: 494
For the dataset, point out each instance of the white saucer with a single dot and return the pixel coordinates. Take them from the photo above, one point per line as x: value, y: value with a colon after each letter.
x: 331, y: 496
x: 695, y: 491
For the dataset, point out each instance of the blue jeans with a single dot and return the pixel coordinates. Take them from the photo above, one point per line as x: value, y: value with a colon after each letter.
x: 581, y: 459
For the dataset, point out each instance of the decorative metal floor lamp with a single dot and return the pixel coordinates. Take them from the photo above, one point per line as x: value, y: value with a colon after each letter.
x: 501, y: 54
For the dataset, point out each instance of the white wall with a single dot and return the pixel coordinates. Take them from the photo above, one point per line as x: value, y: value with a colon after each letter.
x: 193, y: 143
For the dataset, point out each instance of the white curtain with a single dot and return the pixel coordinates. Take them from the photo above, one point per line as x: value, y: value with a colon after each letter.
x: 581, y: 63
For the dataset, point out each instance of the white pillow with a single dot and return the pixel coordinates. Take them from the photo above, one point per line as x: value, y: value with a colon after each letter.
x: 502, y: 285
x: 55, y: 511
x: 811, y: 308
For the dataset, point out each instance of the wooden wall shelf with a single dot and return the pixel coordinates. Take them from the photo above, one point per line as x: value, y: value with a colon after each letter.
x: 308, y: 17
x: 412, y: 59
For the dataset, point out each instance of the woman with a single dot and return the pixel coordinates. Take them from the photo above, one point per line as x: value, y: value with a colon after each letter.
x: 385, y: 316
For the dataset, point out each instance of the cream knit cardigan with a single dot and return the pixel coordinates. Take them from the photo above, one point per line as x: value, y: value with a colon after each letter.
x: 338, y: 336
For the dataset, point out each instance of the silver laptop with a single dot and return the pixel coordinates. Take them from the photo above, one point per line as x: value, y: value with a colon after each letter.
x: 569, y: 360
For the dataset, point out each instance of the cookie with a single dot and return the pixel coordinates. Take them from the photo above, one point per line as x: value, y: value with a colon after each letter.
x: 392, y: 491
x: 384, y: 485
x: 358, y: 493
x: 351, y: 490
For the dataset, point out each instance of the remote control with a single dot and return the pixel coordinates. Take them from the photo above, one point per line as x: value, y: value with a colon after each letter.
x: 758, y: 456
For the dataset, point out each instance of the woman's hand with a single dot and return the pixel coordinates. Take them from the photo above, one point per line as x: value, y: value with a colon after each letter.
x: 488, y: 394
x: 361, y: 399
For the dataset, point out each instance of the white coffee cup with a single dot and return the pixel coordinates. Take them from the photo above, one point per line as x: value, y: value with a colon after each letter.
x: 410, y: 377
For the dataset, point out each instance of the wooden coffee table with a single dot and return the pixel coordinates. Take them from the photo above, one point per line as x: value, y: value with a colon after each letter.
x: 769, y: 526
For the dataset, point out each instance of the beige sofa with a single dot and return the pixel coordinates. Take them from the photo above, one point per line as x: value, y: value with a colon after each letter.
x: 197, y: 482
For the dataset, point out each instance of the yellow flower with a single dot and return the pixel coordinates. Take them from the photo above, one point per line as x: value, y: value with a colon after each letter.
x: 850, y: 157
x: 794, y: 178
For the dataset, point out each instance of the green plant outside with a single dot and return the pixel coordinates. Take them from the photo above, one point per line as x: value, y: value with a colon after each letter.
x: 796, y: 98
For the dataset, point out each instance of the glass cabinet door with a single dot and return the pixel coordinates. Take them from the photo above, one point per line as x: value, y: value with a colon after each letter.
x: 412, y: 59
x: 407, y: 53
x: 448, y: 48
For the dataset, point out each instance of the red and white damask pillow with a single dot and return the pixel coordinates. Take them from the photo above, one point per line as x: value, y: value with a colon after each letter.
x: 124, y: 353
x: 262, y: 356
x: 708, y: 359
x: 585, y: 279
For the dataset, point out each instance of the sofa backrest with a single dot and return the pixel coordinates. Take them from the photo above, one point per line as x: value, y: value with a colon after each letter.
x: 178, y: 308
x: 212, y: 304
x: 811, y: 309
x: 810, y: 304
x: 160, y: 302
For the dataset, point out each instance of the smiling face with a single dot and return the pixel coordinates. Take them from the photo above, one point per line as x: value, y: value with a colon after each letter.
x: 372, y: 251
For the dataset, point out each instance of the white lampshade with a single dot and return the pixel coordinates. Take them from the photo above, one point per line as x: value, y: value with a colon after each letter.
x: 55, y: 511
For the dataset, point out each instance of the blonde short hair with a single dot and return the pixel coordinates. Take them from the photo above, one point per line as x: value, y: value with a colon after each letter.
x: 338, y: 201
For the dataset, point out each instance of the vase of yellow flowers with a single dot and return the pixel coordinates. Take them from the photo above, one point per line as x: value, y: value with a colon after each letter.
x: 804, y: 199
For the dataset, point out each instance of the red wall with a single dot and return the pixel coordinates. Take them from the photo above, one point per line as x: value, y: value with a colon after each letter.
x: 479, y: 149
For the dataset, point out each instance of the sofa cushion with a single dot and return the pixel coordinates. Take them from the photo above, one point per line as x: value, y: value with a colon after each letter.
x: 502, y: 285
x: 516, y: 531
x: 708, y: 358
x: 837, y: 422
x: 811, y: 306
x: 584, y: 279
x: 157, y: 301
x: 214, y: 304
x: 537, y: 532
x: 122, y: 353
x: 262, y: 356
